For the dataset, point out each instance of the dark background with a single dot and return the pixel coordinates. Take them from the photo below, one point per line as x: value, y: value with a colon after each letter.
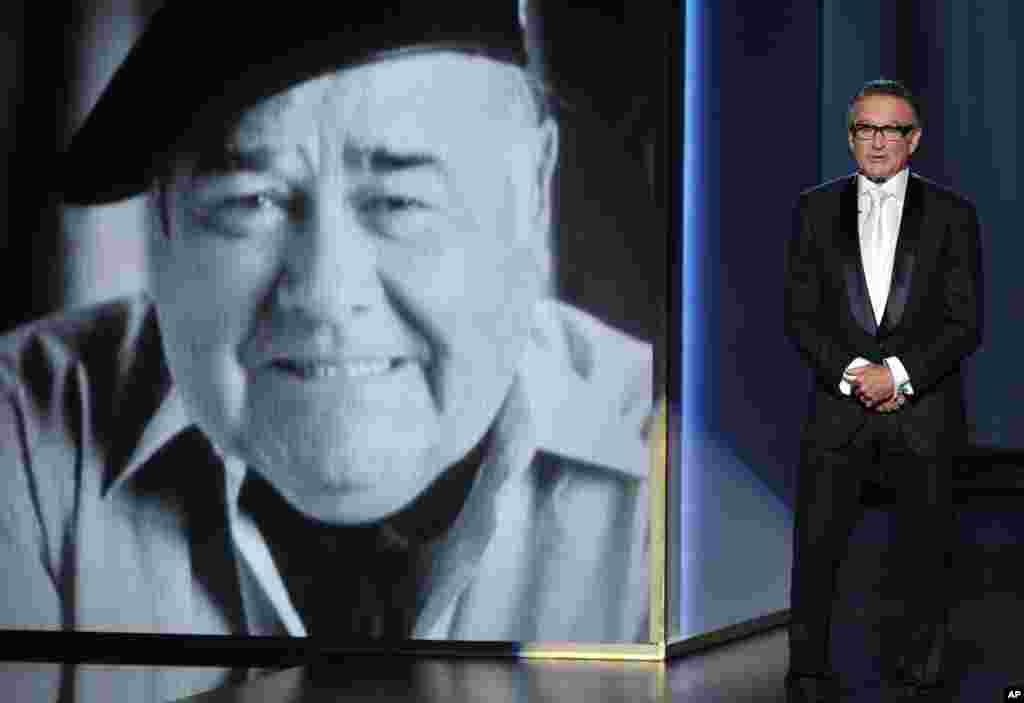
x: 769, y: 84
x: 609, y: 71
x: 775, y: 80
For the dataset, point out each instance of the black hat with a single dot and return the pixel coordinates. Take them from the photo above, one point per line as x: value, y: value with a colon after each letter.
x: 198, y: 61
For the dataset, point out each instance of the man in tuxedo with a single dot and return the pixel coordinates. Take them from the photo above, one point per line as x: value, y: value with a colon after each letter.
x: 883, y: 301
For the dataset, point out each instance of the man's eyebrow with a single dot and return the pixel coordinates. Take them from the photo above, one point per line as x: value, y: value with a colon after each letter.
x: 887, y: 124
x: 385, y: 160
x: 233, y: 158
x: 230, y: 158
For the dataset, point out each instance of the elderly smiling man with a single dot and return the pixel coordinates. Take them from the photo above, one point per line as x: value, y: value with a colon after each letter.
x: 348, y: 406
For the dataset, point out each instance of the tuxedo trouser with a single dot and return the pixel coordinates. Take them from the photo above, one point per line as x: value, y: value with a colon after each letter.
x: 830, y: 487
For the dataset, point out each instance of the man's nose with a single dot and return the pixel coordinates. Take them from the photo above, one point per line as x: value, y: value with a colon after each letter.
x: 330, y: 266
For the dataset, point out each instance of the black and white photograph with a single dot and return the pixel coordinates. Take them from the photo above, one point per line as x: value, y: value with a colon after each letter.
x: 341, y: 321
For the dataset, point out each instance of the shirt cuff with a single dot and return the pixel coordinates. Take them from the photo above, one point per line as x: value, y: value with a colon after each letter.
x: 844, y: 386
x: 899, y: 375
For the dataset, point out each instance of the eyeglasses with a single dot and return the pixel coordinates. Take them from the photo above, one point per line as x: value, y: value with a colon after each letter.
x: 892, y: 132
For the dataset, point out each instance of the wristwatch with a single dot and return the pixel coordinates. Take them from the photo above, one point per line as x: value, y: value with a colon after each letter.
x: 901, y: 388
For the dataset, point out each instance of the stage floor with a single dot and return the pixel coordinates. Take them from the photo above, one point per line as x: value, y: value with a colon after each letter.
x: 746, y: 671
x: 984, y: 654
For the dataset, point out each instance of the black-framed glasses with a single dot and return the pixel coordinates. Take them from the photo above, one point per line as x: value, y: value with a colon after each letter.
x: 892, y: 132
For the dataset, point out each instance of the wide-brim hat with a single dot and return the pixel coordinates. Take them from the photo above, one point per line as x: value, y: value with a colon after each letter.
x: 201, y: 61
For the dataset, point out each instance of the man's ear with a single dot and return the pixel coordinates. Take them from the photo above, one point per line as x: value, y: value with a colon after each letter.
x: 158, y: 216
x: 915, y: 139
x: 546, y: 161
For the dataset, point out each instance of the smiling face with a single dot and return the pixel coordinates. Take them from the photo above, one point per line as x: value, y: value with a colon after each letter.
x: 877, y: 158
x: 346, y: 282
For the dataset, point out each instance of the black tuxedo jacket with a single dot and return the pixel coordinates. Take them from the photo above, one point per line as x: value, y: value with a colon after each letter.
x: 932, y: 320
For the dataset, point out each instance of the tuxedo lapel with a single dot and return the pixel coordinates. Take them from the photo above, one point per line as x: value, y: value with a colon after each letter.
x: 906, y: 254
x: 853, y: 263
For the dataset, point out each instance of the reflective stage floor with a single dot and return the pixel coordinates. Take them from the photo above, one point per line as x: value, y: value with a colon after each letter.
x: 984, y: 654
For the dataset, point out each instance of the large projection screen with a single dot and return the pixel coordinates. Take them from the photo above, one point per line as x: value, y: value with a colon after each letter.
x: 206, y: 431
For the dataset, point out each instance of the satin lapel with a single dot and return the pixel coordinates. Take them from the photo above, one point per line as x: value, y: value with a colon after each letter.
x: 853, y: 263
x: 906, y: 255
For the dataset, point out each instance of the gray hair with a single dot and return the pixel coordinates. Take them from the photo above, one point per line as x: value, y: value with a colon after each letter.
x: 884, y: 86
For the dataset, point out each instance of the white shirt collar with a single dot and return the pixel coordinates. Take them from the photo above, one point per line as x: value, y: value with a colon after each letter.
x: 895, y: 186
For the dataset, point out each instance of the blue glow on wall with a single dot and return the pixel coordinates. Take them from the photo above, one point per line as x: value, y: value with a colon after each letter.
x: 692, y: 324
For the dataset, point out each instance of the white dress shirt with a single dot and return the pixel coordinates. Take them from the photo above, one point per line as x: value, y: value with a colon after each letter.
x: 880, y: 209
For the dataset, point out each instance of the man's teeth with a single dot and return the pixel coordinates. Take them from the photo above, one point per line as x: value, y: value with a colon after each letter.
x: 354, y: 369
x: 351, y: 369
